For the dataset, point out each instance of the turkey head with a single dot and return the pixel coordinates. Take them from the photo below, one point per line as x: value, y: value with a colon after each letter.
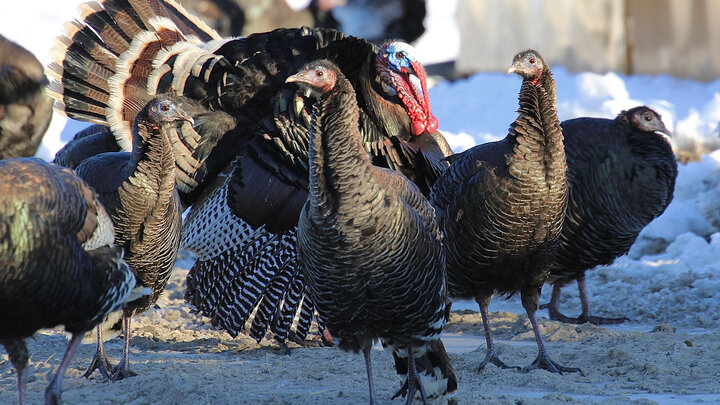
x: 403, y: 76
x: 315, y: 78
x: 529, y: 65
x: 645, y: 119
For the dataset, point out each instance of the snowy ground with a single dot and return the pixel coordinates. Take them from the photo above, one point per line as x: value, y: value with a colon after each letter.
x: 668, y: 285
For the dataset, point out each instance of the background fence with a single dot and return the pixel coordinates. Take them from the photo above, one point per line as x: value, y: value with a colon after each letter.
x: 677, y: 37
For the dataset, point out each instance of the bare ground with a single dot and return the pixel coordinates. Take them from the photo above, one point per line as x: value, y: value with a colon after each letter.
x: 181, y: 359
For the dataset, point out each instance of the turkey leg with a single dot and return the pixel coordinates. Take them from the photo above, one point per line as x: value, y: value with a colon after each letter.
x: 100, y: 361
x: 17, y: 351
x: 122, y: 370
x: 492, y: 353
x: 53, y: 391
x: 530, y: 299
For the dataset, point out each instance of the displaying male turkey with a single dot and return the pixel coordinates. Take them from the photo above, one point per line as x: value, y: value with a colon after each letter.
x: 58, y: 261
x: 138, y: 190
x: 368, y: 243
x: 621, y: 175
x: 253, y: 183
x: 25, y: 108
x: 501, y: 205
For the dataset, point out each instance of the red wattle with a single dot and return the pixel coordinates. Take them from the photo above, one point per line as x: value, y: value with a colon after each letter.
x: 432, y: 125
x: 417, y: 127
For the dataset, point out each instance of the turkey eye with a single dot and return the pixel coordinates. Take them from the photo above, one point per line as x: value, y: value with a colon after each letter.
x: 165, y: 107
x: 648, y: 118
x: 319, y: 73
x: 532, y: 61
x: 399, y: 55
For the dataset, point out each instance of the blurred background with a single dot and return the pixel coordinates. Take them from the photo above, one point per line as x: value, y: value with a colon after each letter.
x: 630, y: 36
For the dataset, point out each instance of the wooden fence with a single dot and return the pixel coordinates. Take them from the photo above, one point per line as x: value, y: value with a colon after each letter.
x: 677, y: 37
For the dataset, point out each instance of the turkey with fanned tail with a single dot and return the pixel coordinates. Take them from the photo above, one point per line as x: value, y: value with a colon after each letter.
x: 368, y: 243
x: 251, y: 182
x: 59, y: 264
x: 501, y: 205
x: 621, y: 175
x: 138, y: 190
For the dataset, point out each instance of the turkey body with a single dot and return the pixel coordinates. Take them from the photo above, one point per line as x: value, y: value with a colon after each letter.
x: 138, y: 190
x: 58, y: 261
x: 367, y: 239
x: 501, y: 206
x: 252, y: 183
x: 25, y: 108
x: 621, y: 175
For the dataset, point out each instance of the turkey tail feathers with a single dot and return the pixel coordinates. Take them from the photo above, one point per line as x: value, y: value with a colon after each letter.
x: 106, y: 65
x: 433, y: 367
x: 244, y: 274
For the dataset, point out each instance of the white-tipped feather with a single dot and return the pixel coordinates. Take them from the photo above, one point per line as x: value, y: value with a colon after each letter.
x: 121, y: 127
x: 107, y: 327
x: 183, y: 66
x: 195, y: 20
x: 138, y: 292
x: 88, y: 8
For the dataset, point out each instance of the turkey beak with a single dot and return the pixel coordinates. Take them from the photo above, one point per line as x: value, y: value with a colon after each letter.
x: 186, y: 117
x: 512, y: 69
x: 297, y: 77
x: 415, y: 78
x: 665, y: 131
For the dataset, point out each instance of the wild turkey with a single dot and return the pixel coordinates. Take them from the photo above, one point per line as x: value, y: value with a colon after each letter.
x: 368, y: 243
x: 253, y: 183
x: 191, y: 144
x: 621, y: 175
x: 138, y: 190
x: 501, y: 205
x: 58, y: 261
x: 25, y: 108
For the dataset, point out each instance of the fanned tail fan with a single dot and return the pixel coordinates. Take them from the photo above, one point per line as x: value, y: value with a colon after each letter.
x: 107, y: 64
x: 244, y: 274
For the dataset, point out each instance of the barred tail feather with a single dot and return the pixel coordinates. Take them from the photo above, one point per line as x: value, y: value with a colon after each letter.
x: 434, y: 369
x: 105, y: 62
x: 297, y: 309
x: 243, y: 274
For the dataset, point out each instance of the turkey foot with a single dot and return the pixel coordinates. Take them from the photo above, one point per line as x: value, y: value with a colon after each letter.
x: 599, y: 320
x: 412, y: 383
x: 122, y: 371
x: 493, y: 358
x: 100, y: 361
x: 585, y: 317
x: 543, y: 361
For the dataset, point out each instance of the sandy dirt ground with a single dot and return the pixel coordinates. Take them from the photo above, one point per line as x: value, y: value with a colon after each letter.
x: 181, y: 359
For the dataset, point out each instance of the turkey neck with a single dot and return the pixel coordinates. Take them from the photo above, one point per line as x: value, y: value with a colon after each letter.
x: 336, y: 154
x: 648, y: 145
x: 537, y: 131
x: 389, y: 116
x: 153, y: 156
